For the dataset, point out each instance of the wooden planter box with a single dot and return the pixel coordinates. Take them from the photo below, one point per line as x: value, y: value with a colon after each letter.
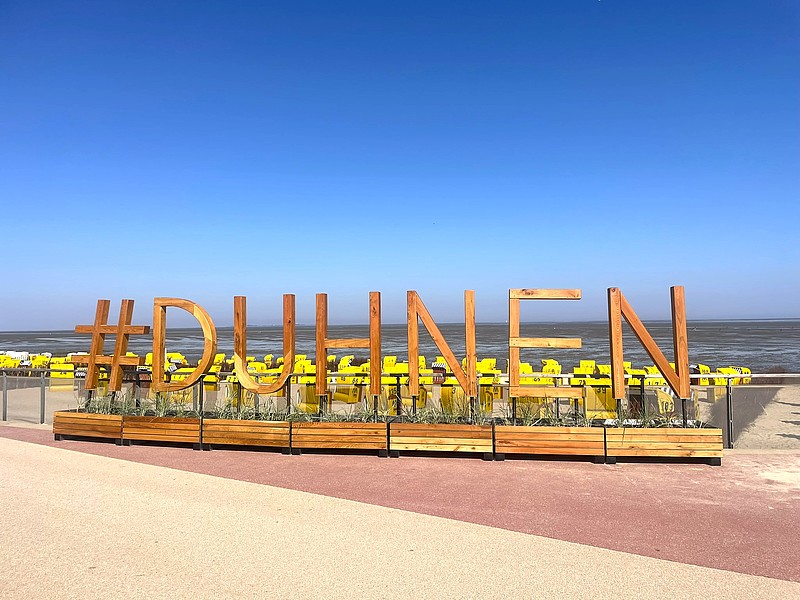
x: 349, y: 436
x: 221, y: 432
x: 571, y: 441
x: 440, y: 437
x: 82, y: 424
x: 161, y: 429
x: 665, y: 442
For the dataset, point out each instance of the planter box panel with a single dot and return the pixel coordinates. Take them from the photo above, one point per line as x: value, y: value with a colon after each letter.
x: 87, y: 425
x: 358, y: 436
x: 665, y: 442
x: 573, y: 441
x: 161, y: 429
x: 441, y: 437
x: 246, y: 433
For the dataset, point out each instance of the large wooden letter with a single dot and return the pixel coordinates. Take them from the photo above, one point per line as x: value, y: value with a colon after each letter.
x: 240, y: 346
x: 515, y: 342
x: 678, y: 378
x: 467, y: 379
x: 159, y: 343
x: 123, y: 331
x: 373, y: 342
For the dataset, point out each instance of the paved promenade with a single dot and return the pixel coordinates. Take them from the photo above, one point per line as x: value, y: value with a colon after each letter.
x: 93, y: 520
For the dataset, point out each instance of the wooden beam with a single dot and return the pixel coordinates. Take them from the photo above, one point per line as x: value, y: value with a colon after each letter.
x: 98, y: 342
x: 120, y: 345
x: 544, y: 294
x: 615, y: 342
x: 680, y: 341
x: 346, y: 343
x: 471, y: 350
x: 113, y: 329
x: 413, y: 343
x: 322, y: 335
x: 513, y: 333
x: 545, y: 342
x: 375, y: 360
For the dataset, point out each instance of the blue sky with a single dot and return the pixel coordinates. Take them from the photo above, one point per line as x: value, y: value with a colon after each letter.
x: 208, y: 149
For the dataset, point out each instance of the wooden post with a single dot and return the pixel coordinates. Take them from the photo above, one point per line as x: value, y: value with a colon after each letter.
x: 515, y: 342
x: 240, y: 346
x: 159, y: 343
x: 375, y: 359
x: 678, y: 379
x: 615, y: 337
x: 417, y: 310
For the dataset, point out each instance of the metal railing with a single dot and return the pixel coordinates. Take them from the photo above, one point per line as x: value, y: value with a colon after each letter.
x: 764, y: 413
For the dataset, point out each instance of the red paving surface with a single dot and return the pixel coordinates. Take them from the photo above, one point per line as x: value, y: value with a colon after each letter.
x: 729, y: 517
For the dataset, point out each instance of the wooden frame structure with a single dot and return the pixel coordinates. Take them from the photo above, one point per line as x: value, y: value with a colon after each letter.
x: 515, y: 342
x: 467, y: 378
x: 678, y: 379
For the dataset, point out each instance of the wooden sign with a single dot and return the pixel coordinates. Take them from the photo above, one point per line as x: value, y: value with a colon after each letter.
x: 240, y: 346
x: 515, y: 342
x: 678, y: 379
x: 159, y: 343
x: 467, y: 378
x: 618, y: 308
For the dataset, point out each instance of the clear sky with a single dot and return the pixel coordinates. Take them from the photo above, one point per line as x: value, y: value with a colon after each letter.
x: 207, y: 149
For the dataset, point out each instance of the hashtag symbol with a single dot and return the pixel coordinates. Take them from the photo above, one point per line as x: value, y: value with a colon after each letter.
x: 99, y: 330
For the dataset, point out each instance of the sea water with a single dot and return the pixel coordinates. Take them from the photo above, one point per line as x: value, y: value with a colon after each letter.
x: 762, y: 345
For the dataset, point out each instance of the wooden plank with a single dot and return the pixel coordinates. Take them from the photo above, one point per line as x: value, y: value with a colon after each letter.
x: 375, y: 360
x: 544, y: 294
x: 615, y: 341
x: 271, y: 442
x: 338, y: 425
x: 442, y: 448
x: 545, y: 342
x: 538, y: 450
x: 666, y: 453
x: 338, y: 439
x: 541, y: 391
x: 321, y: 357
x: 84, y: 416
x: 346, y: 343
x: 471, y: 350
x: 88, y: 425
x: 438, y: 441
x: 441, y: 428
x: 549, y: 430
x: 513, y: 333
x: 162, y: 420
x: 544, y: 443
x: 413, y: 344
x: 97, y: 344
x: 152, y: 437
x: 680, y: 340
x: 340, y: 444
x: 113, y: 329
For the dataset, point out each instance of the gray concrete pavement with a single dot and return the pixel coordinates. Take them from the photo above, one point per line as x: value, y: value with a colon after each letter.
x: 75, y: 525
